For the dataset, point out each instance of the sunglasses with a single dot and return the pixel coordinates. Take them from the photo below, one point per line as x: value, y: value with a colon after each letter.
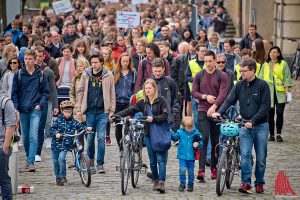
x: 13, y: 63
x: 107, y: 44
x: 221, y: 62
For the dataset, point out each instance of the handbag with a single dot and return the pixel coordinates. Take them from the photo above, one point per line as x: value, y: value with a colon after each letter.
x: 160, y: 135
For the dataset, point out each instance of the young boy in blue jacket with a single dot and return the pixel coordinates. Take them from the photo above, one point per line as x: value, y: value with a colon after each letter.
x: 60, y: 145
x: 189, y: 140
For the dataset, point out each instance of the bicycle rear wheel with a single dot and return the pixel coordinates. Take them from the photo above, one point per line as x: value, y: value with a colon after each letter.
x: 125, y: 168
x: 222, y: 171
x: 84, y: 170
x: 136, y: 164
x: 233, y: 166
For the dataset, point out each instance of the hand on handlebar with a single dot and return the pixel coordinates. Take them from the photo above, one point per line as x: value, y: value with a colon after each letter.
x: 249, y: 125
x: 149, y: 119
x: 58, y: 135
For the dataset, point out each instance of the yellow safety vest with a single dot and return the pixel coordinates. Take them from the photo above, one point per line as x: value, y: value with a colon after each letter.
x: 238, y: 73
x: 195, y: 68
x: 150, y: 36
x: 277, y: 74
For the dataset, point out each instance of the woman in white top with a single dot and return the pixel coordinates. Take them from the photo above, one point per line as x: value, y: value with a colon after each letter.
x: 7, y: 80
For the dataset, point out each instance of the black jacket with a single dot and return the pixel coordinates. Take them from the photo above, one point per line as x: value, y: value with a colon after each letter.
x: 167, y: 88
x: 246, y: 42
x: 178, y: 71
x: 136, y: 60
x: 254, y: 98
x: 69, y: 39
x: 159, y: 110
x: 22, y: 41
x: 54, y: 51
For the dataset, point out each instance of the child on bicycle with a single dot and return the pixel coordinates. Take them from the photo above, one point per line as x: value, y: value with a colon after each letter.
x: 189, y: 140
x: 60, y: 145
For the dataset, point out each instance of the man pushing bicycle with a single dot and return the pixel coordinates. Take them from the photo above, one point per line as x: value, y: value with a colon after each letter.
x: 254, y: 97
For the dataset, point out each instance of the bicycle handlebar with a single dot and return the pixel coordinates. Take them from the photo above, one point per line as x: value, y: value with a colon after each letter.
x: 77, y: 134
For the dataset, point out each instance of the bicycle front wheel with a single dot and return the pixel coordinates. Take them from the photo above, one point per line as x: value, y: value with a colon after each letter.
x: 222, y: 171
x: 84, y: 170
x: 136, y: 164
x: 125, y: 168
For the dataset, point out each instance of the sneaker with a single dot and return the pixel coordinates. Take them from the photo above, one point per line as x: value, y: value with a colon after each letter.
x: 190, y: 188
x: 245, y: 188
x: 100, y: 169
x: 156, y: 185
x: 271, y: 138
x: 207, y: 163
x: 63, y: 180
x: 279, y: 138
x: 38, y: 158
x: 149, y: 174
x: 201, y: 175
x: 259, y: 188
x: 181, y: 187
x: 176, y: 144
x: 28, y: 168
x: 107, y: 140
x: 213, y: 172
x: 59, y: 182
x: 161, y: 187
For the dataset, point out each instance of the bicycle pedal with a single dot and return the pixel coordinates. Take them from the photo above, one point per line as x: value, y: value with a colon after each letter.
x: 117, y: 168
x: 143, y: 170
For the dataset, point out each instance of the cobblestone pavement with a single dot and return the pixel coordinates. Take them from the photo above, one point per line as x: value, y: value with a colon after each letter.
x: 281, y: 156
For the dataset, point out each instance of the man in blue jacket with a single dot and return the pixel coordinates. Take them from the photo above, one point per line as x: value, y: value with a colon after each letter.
x: 30, y: 93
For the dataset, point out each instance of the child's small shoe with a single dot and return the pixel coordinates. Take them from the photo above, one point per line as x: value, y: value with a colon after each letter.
x: 190, y: 188
x: 59, y: 182
x: 181, y: 188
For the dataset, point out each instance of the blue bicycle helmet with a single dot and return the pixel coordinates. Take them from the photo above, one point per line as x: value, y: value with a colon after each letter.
x: 230, y: 129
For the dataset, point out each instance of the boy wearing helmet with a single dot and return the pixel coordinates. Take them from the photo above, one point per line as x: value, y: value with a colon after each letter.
x: 64, y: 124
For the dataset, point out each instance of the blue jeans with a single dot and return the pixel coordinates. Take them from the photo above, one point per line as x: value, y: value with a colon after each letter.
x: 257, y: 136
x: 188, y: 165
x: 195, y: 113
x: 98, y: 122
x: 59, y: 163
x: 158, y: 161
x: 29, y: 127
x: 44, y: 113
x: 5, y: 181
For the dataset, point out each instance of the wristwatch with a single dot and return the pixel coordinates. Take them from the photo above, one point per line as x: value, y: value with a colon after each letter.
x: 205, y: 97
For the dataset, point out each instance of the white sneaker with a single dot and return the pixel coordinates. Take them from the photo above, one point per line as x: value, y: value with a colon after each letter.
x: 38, y: 158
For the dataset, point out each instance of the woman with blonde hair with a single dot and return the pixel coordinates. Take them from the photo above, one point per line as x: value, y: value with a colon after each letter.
x: 159, y: 108
x: 108, y: 58
x: 9, y: 52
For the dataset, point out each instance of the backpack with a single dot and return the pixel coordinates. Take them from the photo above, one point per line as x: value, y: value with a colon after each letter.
x: 20, y: 79
x: 4, y: 100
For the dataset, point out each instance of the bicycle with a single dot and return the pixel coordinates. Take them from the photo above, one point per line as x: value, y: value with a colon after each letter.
x: 295, y: 64
x: 131, y: 164
x: 81, y: 162
x: 229, y: 164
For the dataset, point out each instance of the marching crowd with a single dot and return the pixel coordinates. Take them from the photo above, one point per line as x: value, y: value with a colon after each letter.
x: 177, y: 80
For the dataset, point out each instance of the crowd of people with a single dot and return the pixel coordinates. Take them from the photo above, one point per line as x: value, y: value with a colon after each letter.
x: 184, y: 80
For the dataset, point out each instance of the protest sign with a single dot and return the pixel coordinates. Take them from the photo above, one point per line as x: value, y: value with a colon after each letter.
x: 128, y: 19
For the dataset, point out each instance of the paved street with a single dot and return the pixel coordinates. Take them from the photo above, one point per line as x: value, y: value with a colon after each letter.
x: 281, y: 156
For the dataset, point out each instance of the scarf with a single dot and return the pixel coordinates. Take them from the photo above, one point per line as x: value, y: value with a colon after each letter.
x: 61, y: 69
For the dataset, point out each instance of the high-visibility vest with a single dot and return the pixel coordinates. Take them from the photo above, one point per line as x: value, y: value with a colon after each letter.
x: 277, y: 74
x: 195, y: 68
x: 150, y: 36
x: 238, y: 73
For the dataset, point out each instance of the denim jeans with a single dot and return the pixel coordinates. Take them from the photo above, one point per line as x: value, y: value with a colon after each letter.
x: 98, y: 122
x: 41, y: 133
x: 59, y: 163
x: 29, y: 127
x: 195, y: 113
x: 188, y: 165
x: 5, y: 181
x: 257, y: 137
x: 158, y: 161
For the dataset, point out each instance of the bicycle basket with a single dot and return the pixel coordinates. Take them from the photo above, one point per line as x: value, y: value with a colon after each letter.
x: 230, y: 129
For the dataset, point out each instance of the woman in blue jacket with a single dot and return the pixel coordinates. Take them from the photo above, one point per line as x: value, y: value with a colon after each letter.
x: 124, y: 77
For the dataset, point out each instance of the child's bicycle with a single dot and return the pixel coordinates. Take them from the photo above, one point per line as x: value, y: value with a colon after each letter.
x: 81, y: 162
x: 229, y: 164
x: 131, y: 164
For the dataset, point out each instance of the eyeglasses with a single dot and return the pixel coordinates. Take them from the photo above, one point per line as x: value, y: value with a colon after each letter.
x: 221, y: 62
x: 107, y: 44
x: 244, y: 71
x: 13, y: 63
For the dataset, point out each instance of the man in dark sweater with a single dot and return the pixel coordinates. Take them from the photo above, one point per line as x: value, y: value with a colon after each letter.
x: 255, y: 102
x: 211, y: 92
